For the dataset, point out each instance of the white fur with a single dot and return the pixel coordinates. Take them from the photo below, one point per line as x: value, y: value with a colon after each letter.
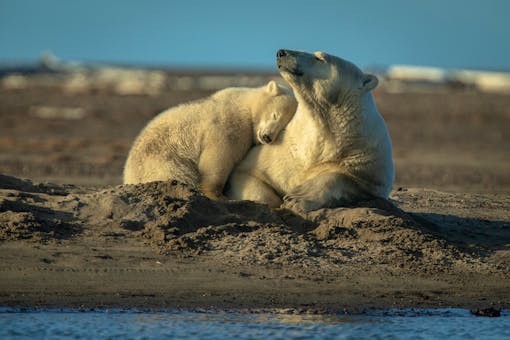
x: 199, y: 143
x: 336, y: 149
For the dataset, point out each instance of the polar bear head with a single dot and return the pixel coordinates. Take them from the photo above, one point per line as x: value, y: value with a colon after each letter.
x: 323, y: 80
x: 273, y: 107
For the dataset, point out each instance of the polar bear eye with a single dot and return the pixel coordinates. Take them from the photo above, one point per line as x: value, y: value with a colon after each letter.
x: 275, y: 116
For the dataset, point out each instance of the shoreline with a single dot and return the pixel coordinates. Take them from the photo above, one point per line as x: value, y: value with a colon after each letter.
x: 301, y: 297
x: 230, y: 288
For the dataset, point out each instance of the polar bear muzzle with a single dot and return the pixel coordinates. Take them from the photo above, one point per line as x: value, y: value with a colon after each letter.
x: 287, y: 62
x: 265, y: 138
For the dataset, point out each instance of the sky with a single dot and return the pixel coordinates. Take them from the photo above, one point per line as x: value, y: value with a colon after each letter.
x: 246, y: 34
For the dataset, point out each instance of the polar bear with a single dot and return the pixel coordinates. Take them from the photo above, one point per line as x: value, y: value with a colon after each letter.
x: 336, y: 150
x: 199, y: 143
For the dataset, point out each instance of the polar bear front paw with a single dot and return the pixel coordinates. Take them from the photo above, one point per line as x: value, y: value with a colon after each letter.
x: 299, y: 206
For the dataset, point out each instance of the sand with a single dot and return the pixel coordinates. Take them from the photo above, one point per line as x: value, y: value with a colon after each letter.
x: 163, y: 245
x: 442, y: 240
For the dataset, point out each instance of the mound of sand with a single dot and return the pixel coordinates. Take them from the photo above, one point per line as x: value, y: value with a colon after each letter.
x: 175, y: 219
x: 158, y: 244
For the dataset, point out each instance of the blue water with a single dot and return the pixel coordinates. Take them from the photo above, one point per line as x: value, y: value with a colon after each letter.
x: 136, y: 324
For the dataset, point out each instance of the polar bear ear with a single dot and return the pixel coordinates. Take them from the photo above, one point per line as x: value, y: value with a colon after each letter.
x: 273, y: 89
x: 369, y: 82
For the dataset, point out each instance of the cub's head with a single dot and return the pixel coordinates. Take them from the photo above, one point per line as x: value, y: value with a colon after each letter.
x: 322, y: 79
x: 274, y: 106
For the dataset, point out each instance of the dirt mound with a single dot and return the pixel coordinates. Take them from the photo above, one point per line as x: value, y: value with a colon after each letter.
x: 177, y: 220
x: 374, y: 236
x: 27, y: 212
x: 361, y: 236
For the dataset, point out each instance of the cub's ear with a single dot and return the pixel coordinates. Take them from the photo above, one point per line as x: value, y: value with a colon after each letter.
x: 273, y: 89
x: 369, y: 82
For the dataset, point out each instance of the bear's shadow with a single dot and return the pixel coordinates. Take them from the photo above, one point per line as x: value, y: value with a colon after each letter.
x: 465, y: 232
x: 461, y: 232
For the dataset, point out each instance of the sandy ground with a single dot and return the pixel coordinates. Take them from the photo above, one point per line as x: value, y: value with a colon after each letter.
x: 88, y: 241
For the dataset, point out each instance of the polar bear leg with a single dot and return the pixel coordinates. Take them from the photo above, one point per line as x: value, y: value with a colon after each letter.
x: 245, y: 187
x: 327, y: 190
x: 214, y: 171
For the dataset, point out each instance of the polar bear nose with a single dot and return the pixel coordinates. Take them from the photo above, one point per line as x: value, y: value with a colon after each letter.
x: 265, y: 138
x: 281, y: 53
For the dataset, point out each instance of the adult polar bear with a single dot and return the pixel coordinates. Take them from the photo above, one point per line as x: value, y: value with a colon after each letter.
x: 336, y: 150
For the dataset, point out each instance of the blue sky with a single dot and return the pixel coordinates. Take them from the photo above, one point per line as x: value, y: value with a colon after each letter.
x: 239, y: 34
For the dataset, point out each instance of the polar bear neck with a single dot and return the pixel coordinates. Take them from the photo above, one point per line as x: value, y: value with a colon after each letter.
x: 350, y: 119
x: 342, y: 120
x: 325, y: 131
x: 307, y: 135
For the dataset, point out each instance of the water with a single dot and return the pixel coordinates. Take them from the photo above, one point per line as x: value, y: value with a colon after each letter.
x: 136, y: 324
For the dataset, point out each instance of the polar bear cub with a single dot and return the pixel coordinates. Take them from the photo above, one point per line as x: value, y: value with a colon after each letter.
x: 200, y: 142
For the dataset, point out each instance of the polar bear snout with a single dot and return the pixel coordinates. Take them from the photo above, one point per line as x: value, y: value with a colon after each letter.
x: 287, y: 62
x: 264, y: 137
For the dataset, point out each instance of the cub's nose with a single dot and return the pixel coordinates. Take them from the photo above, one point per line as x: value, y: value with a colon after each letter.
x: 266, y: 138
x: 281, y: 53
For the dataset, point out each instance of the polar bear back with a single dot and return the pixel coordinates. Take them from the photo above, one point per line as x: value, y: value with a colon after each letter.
x: 171, y: 143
